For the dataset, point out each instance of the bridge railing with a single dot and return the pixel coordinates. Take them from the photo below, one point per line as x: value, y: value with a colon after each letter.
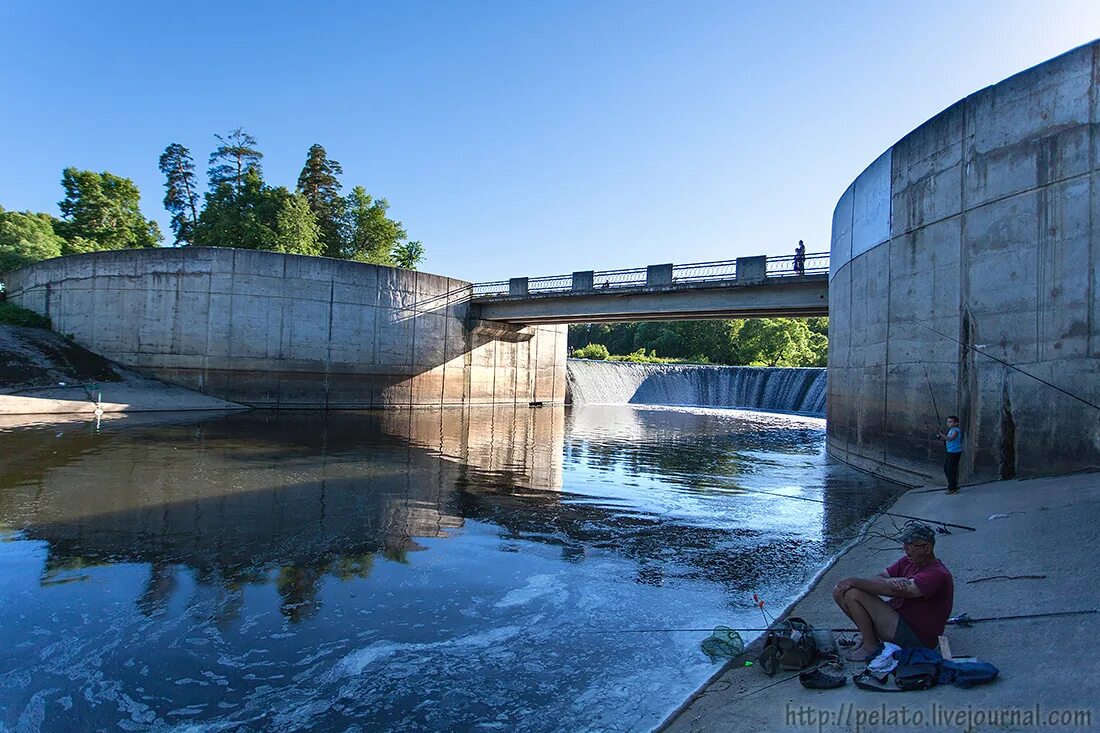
x: 638, y: 277
x: 783, y: 266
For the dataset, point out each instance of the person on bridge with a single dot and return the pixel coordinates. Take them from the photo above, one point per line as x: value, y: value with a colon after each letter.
x: 921, y: 592
x: 800, y: 258
x: 953, y: 443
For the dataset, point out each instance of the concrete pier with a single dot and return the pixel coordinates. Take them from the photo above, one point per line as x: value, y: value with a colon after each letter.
x: 964, y: 281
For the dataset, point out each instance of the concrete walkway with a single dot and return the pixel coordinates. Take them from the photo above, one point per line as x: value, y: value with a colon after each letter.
x: 1050, y: 665
x: 134, y: 394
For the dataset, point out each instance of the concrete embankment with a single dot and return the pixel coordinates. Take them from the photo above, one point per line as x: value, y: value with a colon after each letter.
x: 45, y: 375
x: 1039, y: 527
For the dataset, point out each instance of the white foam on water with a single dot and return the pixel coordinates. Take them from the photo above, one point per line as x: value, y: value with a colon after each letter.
x: 536, y: 587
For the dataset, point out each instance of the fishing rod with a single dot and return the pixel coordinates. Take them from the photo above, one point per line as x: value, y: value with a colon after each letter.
x: 833, y: 501
x: 653, y: 631
x: 962, y: 620
x: 932, y: 395
x: 976, y: 350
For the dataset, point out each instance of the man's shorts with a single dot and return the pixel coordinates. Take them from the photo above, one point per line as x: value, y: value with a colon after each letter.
x: 905, y: 637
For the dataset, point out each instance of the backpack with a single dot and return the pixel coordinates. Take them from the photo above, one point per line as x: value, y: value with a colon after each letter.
x: 790, y: 644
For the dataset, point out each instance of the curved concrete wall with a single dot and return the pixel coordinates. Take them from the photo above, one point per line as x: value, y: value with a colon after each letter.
x: 977, y: 234
x: 275, y: 330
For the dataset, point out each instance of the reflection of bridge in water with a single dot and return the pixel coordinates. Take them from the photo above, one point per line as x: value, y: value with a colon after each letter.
x: 748, y: 287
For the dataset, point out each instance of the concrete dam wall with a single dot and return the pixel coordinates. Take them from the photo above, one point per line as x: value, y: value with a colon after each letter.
x: 285, y: 331
x: 762, y: 388
x: 964, y: 274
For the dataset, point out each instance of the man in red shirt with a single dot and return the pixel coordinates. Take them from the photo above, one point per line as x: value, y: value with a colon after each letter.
x: 921, y: 591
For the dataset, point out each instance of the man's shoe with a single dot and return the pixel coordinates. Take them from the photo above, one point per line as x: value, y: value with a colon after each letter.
x: 819, y: 679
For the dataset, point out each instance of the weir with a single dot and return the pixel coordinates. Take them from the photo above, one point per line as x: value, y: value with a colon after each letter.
x: 763, y: 388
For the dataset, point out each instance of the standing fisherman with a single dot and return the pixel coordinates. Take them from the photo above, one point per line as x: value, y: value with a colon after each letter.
x: 800, y: 258
x: 953, y: 444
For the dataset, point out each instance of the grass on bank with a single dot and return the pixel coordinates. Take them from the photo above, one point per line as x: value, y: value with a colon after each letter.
x: 13, y: 315
x: 599, y: 352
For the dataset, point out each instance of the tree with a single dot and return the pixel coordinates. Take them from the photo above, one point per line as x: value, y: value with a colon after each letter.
x: 235, y: 217
x: 258, y: 217
x: 101, y: 211
x: 372, y: 236
x: 819, y: 340
x: 408, y: 254
x: 296, y: 228
x: 319, y: 184
x: 774, y: 342
x: 233, y: 159
x: 180, y: 192
x: 26, y: 238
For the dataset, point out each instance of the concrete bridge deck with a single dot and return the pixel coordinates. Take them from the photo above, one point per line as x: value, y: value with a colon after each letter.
x: 748, y: 287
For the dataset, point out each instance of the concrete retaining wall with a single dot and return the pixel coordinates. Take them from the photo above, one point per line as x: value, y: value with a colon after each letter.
x: 977, y: 234
x: 275, y: 330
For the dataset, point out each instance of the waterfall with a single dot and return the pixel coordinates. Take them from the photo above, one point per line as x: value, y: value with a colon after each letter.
x: 764, y: 388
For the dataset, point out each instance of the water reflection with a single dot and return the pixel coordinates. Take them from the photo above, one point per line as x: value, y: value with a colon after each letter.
x: 428, y: 569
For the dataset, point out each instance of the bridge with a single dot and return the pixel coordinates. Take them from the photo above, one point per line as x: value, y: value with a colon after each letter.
x: 748, y: 287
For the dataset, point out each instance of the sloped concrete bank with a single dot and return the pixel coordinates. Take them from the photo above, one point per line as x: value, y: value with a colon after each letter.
x: 43, y: 374
x: 1038, y: 527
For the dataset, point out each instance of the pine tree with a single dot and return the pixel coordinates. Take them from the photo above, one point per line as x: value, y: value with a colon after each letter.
x: 234, y: 157
x: 180, y: 194
x: 319, y: 184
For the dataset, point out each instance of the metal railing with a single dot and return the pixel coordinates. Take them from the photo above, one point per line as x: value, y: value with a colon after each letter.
x: 639, y: 277
x: 813, y: 264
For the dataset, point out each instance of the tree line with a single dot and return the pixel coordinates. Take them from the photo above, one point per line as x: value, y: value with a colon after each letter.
x: 101, y: 211
x: 791, y: 342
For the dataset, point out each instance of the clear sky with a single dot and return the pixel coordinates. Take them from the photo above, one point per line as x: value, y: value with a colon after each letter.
x: 519, y: 137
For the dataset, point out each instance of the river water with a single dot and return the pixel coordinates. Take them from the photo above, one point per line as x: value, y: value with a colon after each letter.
x: 445, y: 570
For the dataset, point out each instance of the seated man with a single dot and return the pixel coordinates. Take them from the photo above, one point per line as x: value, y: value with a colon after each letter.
x: 921, y: 591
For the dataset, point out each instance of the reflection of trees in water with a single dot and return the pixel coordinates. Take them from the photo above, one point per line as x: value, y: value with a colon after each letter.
x: 283, y: 498
x: 295, y: 499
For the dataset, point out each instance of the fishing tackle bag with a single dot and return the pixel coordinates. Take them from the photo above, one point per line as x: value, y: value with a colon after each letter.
x: 920, y: 669
x: 790, y: 645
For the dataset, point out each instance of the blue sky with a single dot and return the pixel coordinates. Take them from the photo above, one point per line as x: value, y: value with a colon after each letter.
x: 517, y: 138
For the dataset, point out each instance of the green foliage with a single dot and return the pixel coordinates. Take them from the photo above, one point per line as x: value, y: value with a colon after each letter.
x: 181, y: 198
x: 408, y: 254
x: 372, y: 236
x: 258, y: 216
x: 760, y: 341
x: 775, y: 342
x: 591, y: 351
x: 640, y: 356
x: 13, y: 315
x: 319, y: 184
x: 235, y: 157
x: 26, y: 238
x: 101, y: 211
x: 296, y: 230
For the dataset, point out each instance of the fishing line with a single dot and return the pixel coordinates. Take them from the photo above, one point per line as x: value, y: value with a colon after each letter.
x: 828, y: 502
x: 1010, y: 366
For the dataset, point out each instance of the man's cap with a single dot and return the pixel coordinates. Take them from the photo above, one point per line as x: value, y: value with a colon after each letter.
x: 917, y: 532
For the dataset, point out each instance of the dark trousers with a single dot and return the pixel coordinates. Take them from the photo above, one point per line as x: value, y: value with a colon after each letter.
x: 951, y: 470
